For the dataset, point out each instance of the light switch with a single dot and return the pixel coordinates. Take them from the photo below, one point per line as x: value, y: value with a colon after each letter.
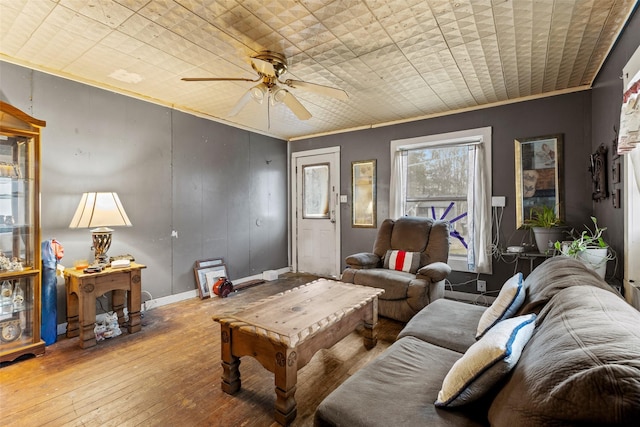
x: 343, y: 198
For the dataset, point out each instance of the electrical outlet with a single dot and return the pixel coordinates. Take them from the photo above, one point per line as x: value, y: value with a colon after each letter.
x: 498, y: 201
x: 482, y: 286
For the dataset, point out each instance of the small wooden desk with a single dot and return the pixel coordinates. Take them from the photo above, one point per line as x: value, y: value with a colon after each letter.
x: 284, y: 331
x: 83, y: 289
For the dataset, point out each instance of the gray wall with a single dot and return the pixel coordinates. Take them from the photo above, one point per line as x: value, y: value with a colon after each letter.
x: 606, y: 105
x: 209, y: 182
x: 567, y: 114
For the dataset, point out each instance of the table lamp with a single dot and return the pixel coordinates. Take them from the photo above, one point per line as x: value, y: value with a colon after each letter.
x: 101, y: 210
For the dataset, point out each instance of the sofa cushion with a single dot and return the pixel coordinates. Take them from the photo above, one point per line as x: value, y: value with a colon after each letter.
x: 486, y: 362
x: 505, y: 305
x: 582, y: 365
x: 395, y: 283
x: 397, y: 388
x: 411, y: 234
x: 402, y: 261
x: 446, y: 323
x: 553, y: 275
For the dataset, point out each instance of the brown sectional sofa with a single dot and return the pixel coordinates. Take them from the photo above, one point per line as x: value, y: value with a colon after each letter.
x: 580, y: 367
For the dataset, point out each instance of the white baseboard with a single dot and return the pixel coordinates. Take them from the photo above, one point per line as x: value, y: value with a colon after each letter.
x: 170, y: 299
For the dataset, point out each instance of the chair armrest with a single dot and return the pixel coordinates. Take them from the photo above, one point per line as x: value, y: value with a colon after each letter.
x: 435, y: 272
x: 363, y: 260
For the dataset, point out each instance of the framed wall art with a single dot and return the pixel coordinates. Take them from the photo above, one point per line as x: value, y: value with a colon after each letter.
x: 363, y: 187
x: 539, y: 172
x: 598, y: 169
x: 207, y: 276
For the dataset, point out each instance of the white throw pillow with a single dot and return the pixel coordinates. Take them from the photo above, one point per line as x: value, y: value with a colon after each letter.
x: 402, y: 261
x: 486, y: 362
x: 507, y: 303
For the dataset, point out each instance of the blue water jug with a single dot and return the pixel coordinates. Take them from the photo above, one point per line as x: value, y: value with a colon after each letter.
x: 49, y: 325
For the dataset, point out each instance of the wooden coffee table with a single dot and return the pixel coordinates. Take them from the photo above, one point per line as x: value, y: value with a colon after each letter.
x: 284, y: 331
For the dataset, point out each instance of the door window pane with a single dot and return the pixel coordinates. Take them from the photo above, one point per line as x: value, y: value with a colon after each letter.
x: 315, y: 191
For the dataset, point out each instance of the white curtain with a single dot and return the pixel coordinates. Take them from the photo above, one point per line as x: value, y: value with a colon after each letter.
x: 396, y: 190
x: 479, y: 205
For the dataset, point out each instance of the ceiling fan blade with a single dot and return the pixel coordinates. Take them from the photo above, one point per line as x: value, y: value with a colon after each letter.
x: 217, y: 79
x: 240, y: 104
x: 263, y: 67
x: 319, y: 89
x: 295, y: 106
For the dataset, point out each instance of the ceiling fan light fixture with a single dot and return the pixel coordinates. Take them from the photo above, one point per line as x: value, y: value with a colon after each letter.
x: 278, y: 96
x: 258, y: 92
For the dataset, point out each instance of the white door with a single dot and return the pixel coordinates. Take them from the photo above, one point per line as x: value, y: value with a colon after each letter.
x: 316, y: 212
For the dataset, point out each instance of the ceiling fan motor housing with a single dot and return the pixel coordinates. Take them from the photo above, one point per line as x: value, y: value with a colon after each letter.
x: 278, y: 61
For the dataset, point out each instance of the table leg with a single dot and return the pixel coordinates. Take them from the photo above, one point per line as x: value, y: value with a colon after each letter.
x: 87, y: 307
x: 117, y: 304
x: 231, y: 382
x: 286, y: 376
x: 369, y: 333
x: 73, y: 325
x: 133, y: 303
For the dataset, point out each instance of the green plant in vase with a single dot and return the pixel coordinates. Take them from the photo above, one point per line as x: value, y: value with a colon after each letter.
x: 589, y: 247
x: 546, y: 226
x: 543, y: 217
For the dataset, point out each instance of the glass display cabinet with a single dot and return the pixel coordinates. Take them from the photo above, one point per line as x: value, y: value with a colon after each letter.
x: 19, y: 234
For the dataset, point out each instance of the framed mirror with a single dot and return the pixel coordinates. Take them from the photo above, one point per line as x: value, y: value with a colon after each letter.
x: 363, y: 187
x: 538, y: 175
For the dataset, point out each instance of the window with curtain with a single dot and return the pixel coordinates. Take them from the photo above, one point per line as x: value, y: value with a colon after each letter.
x: 448, y: 177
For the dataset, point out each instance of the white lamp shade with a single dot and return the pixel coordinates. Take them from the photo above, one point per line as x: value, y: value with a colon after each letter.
x: 99, y: 210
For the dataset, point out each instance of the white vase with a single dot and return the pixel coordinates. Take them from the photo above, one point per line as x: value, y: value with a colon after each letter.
x: 596, y: 259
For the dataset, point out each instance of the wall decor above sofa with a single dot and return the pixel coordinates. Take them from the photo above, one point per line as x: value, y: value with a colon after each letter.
x: 538, y: 175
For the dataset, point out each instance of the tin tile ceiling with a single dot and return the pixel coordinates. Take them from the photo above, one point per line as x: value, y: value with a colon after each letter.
x: 397, y: 59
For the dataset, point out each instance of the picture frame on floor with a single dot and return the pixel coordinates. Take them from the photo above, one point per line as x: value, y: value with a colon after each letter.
x: 210, y: 272
x: 209, y: 262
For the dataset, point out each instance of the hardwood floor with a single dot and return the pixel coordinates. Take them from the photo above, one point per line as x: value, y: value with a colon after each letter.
x: 169, y: 373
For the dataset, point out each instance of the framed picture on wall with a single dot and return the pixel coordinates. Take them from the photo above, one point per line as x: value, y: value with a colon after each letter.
x: 363, y: 187
x: 538, y: 165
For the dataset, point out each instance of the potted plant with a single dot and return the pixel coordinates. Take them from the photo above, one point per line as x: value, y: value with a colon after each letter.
x: 546, y: 226
x: 589, y: 247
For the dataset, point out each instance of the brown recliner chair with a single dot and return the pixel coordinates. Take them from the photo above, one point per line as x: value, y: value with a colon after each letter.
x: 406, y: 293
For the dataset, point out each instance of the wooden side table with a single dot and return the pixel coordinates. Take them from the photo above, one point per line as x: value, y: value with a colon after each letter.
x: 83, y: 289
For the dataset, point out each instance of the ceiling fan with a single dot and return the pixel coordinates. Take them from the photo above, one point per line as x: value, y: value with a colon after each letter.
x: 270, y: 66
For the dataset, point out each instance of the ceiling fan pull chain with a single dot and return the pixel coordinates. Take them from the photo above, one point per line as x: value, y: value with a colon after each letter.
x: 269, y: 111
